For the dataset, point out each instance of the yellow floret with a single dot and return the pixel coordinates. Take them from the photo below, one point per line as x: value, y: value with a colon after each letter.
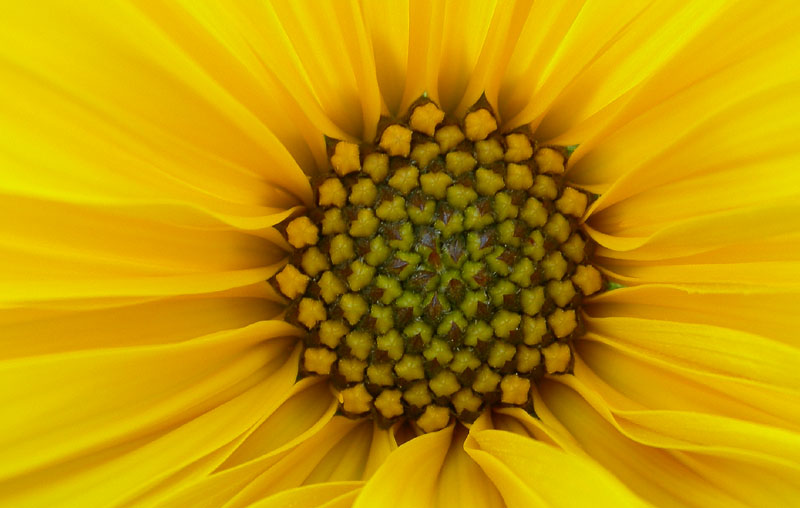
x: 562, y: 322
x: 466, y: 400
x: 405, y: 179
x: 352, y: 369
x: 479, y: 124
x: 486, y: 380
x: 353, y: 306
x: 380, y: 374
x: 333, y: 222
x: 514, y: 390
x: 488, y: 182
x: 355, y: 400
x: 488, y: 151
x: 434, y: 418
x: 449, y: 137
x: 396, y: 140
x: 460, y: 196
x: 425, y: 118
x: 332, y: 193
x: 572, y: 202
x: 435, y: 184
x: 363, y: 192
x: 558, y: 228
x: 464, y: 360
x: 410, y: 367
x: 310, y: 312
x: 528, y: 358
x: 389, y: 404
x: 533, y: 213
x: 292, y: 282
x: 459, y: 162
x: 331, y: 333
x: 418, y: 395
x: 314, y: 261
x: 318, y: 360
x: 549, y: 161
x: 532, y: 300
x: 392, y: 209
x: 361, y: 275
x: 504, y: 322
x: 424, y: 153
x: 301, y: 232
x: 588, y: 279
x: 500, y: 353
x: 444, y: 384
x: 360, y: 344
x: 330, y: 287
x: 376, y: 165
x: 533, y: 329
x: 519, y: 148
x: 554, y: 266
x: 346, y: 158
x: 366, y: 224
x: 392, y: 343
x: 556, y: 357
x: 561, y: 291
x: 518, y: 177
x: 574, y: 248
x: 342, y: 249
x: 544, y: 187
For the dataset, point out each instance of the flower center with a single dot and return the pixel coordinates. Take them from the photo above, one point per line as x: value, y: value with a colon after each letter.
x: 442, y: 271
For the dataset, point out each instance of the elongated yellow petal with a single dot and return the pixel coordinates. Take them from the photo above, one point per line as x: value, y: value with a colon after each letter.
x: 530, y: 473
x: 459, y: 54
x: 648, y: 381
x: 458, y: 470
x: 676, y: 128
x: 767, y: 314
x: 171, y: 97
x: 324, y: 495
x: 339, y: 67
x: 305, y: 414
x: 417, y: 463
x: 56, y: 412
x: 160, y: 321
x: 659, y: 476
x: 576, y: 34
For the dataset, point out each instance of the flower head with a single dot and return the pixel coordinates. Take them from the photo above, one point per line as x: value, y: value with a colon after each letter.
x: 415, y: 254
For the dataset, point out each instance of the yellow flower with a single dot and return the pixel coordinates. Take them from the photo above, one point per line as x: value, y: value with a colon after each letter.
x: 148, y: 150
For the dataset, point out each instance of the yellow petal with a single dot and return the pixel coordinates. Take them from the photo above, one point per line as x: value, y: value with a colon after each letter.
x: 770, y: 315
x: 710, y: 348
x: 305, y: 414
x: 572, y: 37
x: 697, y: 234
x: 417, y: 463
x: 292, y: 469
x: 530, y: 473
x: 56, y: 411
x: 383, y: 444
x: 130, y: 433
x: 507, y: 22
x: 461, y: 481
x: 137, y: 122
x: 459, y: 54
x: 337, y: 61
x: 658, y: 476
x: 675, y: 129
x: 325, y: 495
x: 160, y: 321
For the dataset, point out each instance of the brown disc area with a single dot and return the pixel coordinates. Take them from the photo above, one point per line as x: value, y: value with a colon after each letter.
x: 442, y: 270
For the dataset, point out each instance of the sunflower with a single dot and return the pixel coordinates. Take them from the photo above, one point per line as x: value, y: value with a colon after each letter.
x: 167, y: 167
